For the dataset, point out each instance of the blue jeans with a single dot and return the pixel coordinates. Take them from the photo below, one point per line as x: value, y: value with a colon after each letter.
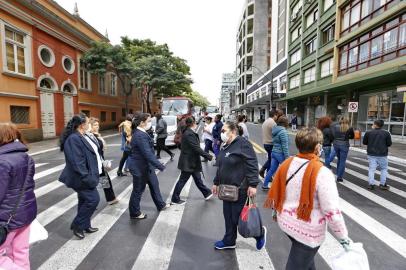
x: 327, y: 153
x: 216, y: 146
x: 277, y: 159
x: 332, y: 155
x: 268, y: 149
x: 208, y: 146
x: 342, y: 153
x: 374, y: 162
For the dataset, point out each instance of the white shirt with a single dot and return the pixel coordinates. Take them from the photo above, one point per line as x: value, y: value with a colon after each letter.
x: 95, y: 149
x: 143, y: 130
x: 245, y: 130
x: 208, y: 128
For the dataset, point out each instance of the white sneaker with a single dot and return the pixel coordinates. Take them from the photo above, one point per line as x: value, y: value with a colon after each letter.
x: 208, y: 197
x: 166, y: 207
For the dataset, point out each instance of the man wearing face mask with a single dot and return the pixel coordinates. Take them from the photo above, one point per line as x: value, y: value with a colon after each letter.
x: 190, y: 163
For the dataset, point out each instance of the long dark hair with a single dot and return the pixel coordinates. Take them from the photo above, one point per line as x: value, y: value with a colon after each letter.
x: 71, y: 127
x: 190, y: 121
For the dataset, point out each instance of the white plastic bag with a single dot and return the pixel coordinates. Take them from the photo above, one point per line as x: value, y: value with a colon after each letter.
x: 353, y: 258
x: 37, y: 232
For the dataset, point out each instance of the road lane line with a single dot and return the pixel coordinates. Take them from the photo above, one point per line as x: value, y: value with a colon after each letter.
x: 389, y: 167
x: 330, y: 248
x: 248, y: 257
x: 47, y: 188
x: 157, y: 250
x: 383, y: 233
x: 258, y: 147
x: 37, y: 165
x: 49, y: 171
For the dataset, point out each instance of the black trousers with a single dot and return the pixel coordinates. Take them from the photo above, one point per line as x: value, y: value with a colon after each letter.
x: 122, y: 161
x: 231, y: 213
x: 183, y: 178
x: 139, y: 184
x: 160, y: 145
x: 109, y: 192
x: 88, y: 200
x: 301, y: 257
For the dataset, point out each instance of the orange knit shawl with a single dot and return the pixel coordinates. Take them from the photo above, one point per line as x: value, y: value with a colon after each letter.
x: 276, y: 195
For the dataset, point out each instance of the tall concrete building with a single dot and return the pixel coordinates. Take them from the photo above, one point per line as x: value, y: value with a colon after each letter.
x: 252, y: 46
x: 348, y: 51
x: 228, y: 86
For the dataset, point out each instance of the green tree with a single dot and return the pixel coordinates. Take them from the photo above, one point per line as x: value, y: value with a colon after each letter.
x: 198, y: 99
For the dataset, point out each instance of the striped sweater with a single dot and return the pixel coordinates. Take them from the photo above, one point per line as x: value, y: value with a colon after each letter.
x: 326, y: 210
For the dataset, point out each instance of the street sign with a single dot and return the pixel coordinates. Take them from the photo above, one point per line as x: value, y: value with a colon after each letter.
x: 353, y: 107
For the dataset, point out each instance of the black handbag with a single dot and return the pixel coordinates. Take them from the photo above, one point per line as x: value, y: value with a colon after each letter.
x: 4, y: 230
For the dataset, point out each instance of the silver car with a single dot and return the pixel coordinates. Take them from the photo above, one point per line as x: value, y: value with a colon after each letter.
x: 171, y: 123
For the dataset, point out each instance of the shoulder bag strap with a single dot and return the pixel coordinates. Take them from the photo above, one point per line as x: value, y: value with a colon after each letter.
x: 293, y: 175
x: 13, y: 212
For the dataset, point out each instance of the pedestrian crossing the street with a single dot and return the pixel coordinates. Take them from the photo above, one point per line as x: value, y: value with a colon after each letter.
x: 160, y: 241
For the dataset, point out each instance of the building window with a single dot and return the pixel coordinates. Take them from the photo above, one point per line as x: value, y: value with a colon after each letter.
x: 309, y: 75
x: 295, y: 57
x: 294, y: 81
x: 328, y: 4
x: 86, y: 112
x: 310, y: 46
x: 312, y: 17
x: 103, y: 116
x: 68, y: 64
x: 102, y: 84
x: 295, y: 10
x: 46, y: 56
x: 16, y: 52
x: 20, y: 114
x: 358, y: 12
x: 113, y: 116
x: 283, y: 84
x: 113, y: 84
x: 328, y: 34
x: 296, y: 33
x: 84, y: 77
x: 68, y: 88
x: 123, y: 114
x: 382, y: 44
x: 326, y: 68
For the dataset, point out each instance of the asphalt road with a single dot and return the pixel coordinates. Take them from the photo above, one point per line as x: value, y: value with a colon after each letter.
x: 182, y: 237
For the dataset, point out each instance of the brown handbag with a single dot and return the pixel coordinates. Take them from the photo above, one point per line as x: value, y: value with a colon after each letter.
x: 228, y: 193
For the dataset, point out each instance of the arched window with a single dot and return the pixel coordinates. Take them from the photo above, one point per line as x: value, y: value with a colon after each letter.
x: 68, y: 88
x: 46, y: 82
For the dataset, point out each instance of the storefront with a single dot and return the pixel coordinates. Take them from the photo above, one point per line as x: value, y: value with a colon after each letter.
x: 388, y: 106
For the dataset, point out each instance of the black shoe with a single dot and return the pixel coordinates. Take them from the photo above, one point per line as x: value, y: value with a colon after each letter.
x: 91, y: 230
x: 371, y: 187
x: 262, y: 172
x: 339, y: 180
x: 79, y: 233
x: 120, y: 174
x: 172, y: 156
x: 384, y: 187
x: 158, y: 157
x: 180, y: 202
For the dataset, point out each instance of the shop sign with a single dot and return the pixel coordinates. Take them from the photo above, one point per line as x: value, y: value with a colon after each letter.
x: 353, y: 107
x: 401, y: 88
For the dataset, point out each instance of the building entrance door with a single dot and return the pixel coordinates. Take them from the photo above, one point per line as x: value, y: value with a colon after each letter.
x: 47, y: 114
x: 67, y: 108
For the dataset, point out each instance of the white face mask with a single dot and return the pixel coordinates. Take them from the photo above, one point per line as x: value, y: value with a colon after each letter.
x: 224, y: 137
x: 148, y: 126
x: 320, y: 151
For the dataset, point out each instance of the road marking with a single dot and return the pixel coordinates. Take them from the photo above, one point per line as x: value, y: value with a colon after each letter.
x: 394, y: 159
x: 330, y: 248
x: 157, y: 251
x: 389, y: 167
x: 383, y: 233
x: 49, y: 171
x: 37, y: 165
x: 72, y: 253
x: 248, y: 257
x: 258, y: 147
x: 47, y: 188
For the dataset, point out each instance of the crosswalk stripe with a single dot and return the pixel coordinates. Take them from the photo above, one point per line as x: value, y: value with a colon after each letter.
x: 249, y: 258
x: 157, y: 251
x: 393, y: 177
x: 383, y: 233
x: 389, y: 167
x: 72, y: 253
x: 396, y: 209
x: 49, y: 171
x: 37, y: 165
x: 47, y: 188
x: 330, y: 248
x: 58, y: 209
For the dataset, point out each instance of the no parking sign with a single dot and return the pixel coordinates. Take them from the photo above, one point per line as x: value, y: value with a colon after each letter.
x: 353, y: 107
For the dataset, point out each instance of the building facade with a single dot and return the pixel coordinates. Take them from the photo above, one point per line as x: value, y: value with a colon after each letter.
x: 252, y: 46
x: 228, y: 86
x: 42, y: 81
x: 347, y: 51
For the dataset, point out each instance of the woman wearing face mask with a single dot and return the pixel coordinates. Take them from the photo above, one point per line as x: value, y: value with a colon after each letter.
x: 238, y: 166
x: 142, y: 163
x: 190, y: 163
x: 305, y: 201
x: 81, y: 173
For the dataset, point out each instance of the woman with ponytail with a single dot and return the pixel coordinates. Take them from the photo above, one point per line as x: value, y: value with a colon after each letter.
x: 81, y: 173
x: 305, y: 200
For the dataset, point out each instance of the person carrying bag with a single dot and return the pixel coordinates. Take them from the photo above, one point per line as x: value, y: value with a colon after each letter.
x: 250, y: 222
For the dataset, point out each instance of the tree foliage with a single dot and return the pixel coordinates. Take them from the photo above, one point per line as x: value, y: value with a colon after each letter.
x: 198, y: 99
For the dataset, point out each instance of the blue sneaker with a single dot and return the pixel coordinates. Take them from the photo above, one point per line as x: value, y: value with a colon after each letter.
x: 220, y: 245
x: 261, y: 241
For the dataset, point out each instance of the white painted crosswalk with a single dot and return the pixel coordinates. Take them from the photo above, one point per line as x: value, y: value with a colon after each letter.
x: 158, y: 250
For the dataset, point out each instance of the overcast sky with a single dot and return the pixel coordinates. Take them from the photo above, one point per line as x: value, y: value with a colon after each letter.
x: 200, y: 31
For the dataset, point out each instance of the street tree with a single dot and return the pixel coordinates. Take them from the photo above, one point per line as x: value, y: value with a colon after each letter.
x: 198, y: 99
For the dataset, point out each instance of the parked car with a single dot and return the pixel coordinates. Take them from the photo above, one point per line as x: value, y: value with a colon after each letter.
x: 171, y: 122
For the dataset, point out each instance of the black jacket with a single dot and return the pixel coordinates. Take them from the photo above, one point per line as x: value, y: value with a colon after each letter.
x: 342, y: 138
x: 237, y: 165
x: 378, y: 141
x: 328, y: 136
x: 190, y: 152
